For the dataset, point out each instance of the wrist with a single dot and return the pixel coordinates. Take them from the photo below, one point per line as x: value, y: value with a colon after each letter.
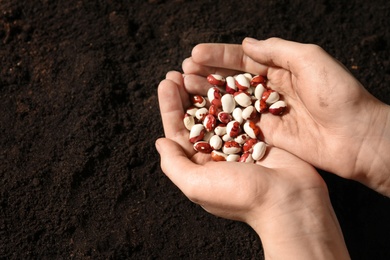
x: 301, y: 228
x: 373, y: 164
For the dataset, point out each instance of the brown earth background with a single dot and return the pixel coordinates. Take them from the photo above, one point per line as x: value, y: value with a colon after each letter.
x: 80, y: 177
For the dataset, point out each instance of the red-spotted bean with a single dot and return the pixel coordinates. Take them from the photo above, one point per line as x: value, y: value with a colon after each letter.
x: 231, y: 147
x: 233, y: 128
x: 201, y: 113
x: 214, y: 96
x: 224, y: 117
x: 197, y: 133
x: 218, y: 156
x: 216, y: 80
x: 242, y: 98
x: 242, y: 82
x: 198, y: 101
x: 203, y: 147
x: 231, y: 87
x: 249, y: 144
x: 251, y: 129
x: 256, y: 80
x: 209, y: 122
x: 249, y: 113
x: 270, y: 96
x: 241, y: 138
x: 277, y: 108
x: 246, y: 157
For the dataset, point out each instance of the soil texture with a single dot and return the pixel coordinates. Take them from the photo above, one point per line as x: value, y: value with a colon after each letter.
x: 79, y: 174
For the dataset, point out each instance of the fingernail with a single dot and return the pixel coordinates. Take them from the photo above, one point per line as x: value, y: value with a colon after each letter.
x: 250, y: 40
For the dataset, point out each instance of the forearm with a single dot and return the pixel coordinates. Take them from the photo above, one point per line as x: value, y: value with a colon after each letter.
x: 309, y: 231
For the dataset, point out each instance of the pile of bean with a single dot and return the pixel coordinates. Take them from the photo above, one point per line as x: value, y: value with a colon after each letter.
x: 223, y: 124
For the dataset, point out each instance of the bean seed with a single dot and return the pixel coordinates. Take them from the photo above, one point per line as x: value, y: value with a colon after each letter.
x: 224, y: 117
x: 231, y: 87
x: 270, y: 96
x: 203, y: 147
x: 231, y: 147
x: 216, y: 80
x: 241, y: 138
x: 214, y: 96
x: 246, y: 157
x: 224, y: 125
x: 220, y: 130
x: 218, y: 156
x: 259, y: 90
x: 242, y: 98
x: 233, y: 128
x: 249, y: 144
x: 214, y: 110
x: 209, y: 123
x: 277, y: 108
x: 198, y: 101
x: 216, y: 142
x: 201, y: 113
x: 233, y: 158
x: 192, y: 110
x: 242, y: 82
x: 256, y: 80
x: 197, y: 133
x: 258, y: 151
x: 249, y: 113
x: 227, y: 137
x: 228, y: 103
x: 189, y: 121
x: 251, y: 129
x: 237, y: 115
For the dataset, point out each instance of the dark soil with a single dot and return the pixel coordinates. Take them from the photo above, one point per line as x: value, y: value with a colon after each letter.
x: 80, y: 177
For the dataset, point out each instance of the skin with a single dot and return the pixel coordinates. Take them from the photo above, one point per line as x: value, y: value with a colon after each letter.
x: 332, y: 122
x: 281, y: 197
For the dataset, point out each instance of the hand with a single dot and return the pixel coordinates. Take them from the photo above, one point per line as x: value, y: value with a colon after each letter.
x: 282, y: 197
x: 332, y: 122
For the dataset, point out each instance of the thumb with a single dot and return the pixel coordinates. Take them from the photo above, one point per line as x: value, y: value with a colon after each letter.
x: 175, y: 163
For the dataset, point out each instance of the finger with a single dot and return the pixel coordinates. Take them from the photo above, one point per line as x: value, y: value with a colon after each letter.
x: 175, y: 76
x: 191, y: 67
x: 184, y: 173
x: 171, y: 109
x: 178, y: 78
x: 195, y: 84
x: 276, y: 52
x: 226, y: 56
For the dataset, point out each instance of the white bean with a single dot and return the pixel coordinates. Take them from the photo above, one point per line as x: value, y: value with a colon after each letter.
x: 258, y: 150
x: 242, y: 98
x: 228, y: 103
x: 216, y: 142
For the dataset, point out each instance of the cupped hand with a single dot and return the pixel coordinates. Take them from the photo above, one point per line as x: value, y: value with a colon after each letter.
x: 332, y: 121
x: 279, y: 196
